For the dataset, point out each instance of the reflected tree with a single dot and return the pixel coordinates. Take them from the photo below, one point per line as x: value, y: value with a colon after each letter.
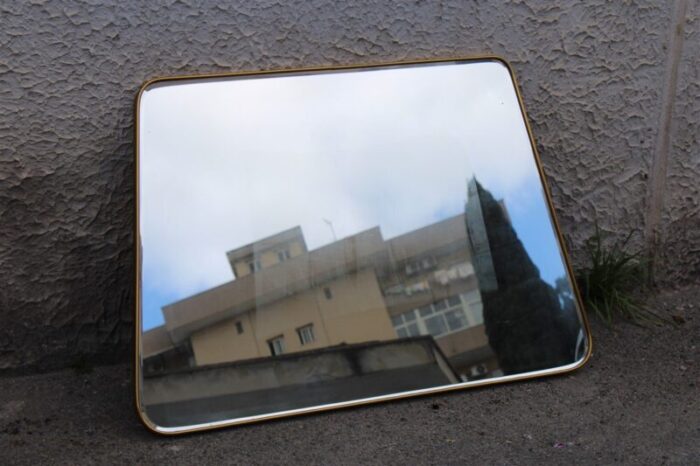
x: 530, y: 324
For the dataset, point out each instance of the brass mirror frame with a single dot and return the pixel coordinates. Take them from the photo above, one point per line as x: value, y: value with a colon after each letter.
x: 137, y: 372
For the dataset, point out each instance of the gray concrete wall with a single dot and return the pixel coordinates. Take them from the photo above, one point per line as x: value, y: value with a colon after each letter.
x: 594, y: 77
x: 299, y: 380
x: 338, y: 362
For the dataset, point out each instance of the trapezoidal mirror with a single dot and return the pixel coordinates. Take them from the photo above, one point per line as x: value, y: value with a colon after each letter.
x: 324, y: 238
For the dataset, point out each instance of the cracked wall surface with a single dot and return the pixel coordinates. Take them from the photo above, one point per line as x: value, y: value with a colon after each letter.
x: 591, y: 75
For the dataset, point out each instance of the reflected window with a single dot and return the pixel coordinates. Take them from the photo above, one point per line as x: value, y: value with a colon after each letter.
x: 276, y: 345
x: 415, y: 266
x: 406, y: 324
x: 456, y: 319
x: 436, y: 325
x: 254, y: 266
x: 428, y: 262
x: 408, y: 331
x: 306, y: 334
x: 455, y: 313
x: 474, y: 307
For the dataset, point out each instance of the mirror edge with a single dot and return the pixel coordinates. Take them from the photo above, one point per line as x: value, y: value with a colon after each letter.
x: 136, y: 371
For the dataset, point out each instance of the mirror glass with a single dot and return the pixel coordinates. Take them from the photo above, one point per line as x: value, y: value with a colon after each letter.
x: 316, y: 239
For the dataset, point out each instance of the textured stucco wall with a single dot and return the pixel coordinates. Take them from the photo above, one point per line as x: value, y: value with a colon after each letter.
x: 680, y: 225
x: 591, y: 74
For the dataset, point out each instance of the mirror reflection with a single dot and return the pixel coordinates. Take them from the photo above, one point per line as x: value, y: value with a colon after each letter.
x: 318, y: 238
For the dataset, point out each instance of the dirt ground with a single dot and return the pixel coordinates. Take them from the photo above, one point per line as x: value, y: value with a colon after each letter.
x: 636, y: 402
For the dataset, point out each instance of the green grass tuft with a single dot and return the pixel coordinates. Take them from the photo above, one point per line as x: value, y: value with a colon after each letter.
x: 612, y: 279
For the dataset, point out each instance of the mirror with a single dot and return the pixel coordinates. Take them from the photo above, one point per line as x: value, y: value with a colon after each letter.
x: 324, y: 238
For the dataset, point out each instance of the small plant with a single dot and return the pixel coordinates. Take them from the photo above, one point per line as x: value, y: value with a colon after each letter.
x: 610, y: 281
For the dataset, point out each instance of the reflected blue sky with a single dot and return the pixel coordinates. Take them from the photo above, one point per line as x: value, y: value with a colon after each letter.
x: 226, y: 163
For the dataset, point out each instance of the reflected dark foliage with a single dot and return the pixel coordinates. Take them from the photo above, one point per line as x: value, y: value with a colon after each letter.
x: 530, y: 325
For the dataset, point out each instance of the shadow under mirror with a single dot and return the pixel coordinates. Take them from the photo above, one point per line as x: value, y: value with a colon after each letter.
x: 319, y: 238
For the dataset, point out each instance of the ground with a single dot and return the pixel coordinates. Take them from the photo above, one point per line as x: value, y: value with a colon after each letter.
x: 637, y: 401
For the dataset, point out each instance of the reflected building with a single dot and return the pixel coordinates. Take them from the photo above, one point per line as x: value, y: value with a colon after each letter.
x: 530, y: 325
x: 364, y: 316
x: 360, y: 317
x: 286, y: 299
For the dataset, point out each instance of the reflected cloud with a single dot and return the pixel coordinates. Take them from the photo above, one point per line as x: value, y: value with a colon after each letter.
x: 241, y: 160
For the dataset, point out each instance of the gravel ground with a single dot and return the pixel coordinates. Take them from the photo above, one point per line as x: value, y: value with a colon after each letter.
x: 637, y: 401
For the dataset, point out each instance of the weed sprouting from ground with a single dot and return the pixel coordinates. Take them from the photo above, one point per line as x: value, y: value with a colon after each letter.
x: 612, y: 280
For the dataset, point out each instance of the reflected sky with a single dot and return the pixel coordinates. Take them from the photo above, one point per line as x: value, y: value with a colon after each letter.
x: 224, y: 163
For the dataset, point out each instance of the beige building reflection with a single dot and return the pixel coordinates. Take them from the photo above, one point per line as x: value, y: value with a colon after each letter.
x: 286, y: 299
